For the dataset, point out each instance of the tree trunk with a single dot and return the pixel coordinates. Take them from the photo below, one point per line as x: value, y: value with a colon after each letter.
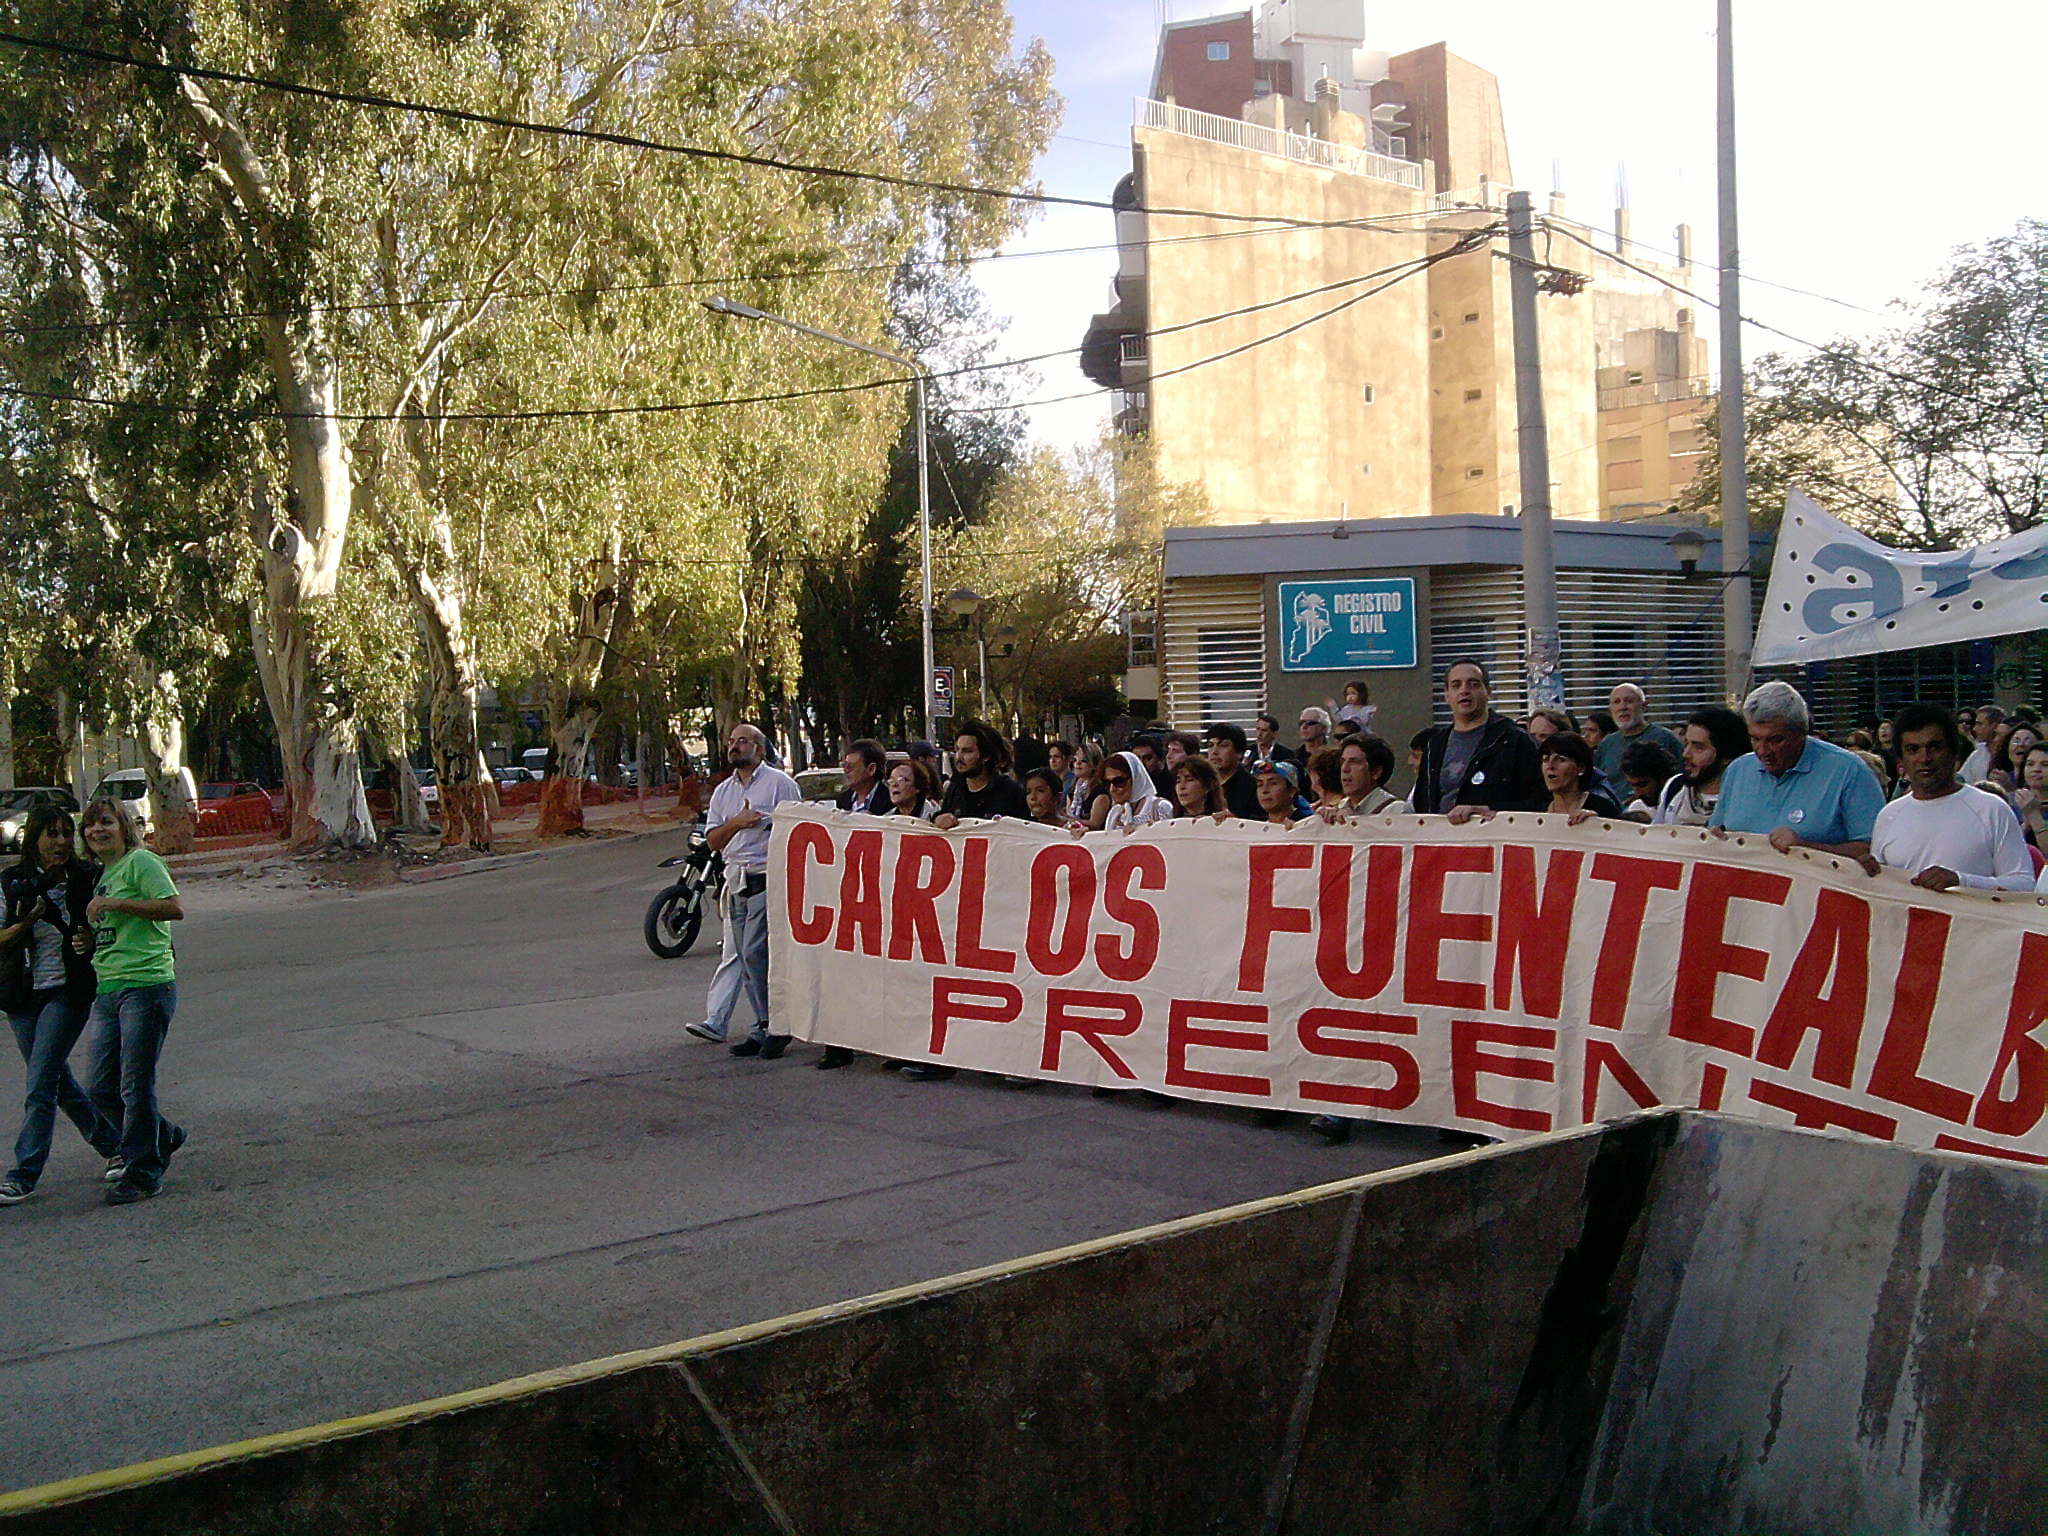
x: 408, y: 805
x: 465, y: 781
x: 561, y: 797
x: 161, y: 734
x: 6, y: 722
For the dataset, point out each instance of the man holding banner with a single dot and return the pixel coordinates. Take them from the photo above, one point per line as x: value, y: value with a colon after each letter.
x: 1797, y: 790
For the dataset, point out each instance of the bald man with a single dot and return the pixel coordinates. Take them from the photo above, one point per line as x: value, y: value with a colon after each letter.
x: 738, y: 820
x: 1631, y: 711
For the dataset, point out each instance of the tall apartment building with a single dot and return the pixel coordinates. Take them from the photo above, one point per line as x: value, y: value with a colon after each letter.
x: 1270, y: 331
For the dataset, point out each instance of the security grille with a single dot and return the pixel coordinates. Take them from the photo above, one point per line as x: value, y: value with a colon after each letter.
x: 1212, y: 642
x: 1660, y: 632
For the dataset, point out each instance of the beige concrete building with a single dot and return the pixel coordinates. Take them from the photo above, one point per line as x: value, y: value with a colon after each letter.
x: 1652, y: 397
x: 1300, y: 365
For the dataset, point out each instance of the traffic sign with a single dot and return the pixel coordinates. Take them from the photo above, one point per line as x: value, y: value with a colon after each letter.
x: 942, y: 693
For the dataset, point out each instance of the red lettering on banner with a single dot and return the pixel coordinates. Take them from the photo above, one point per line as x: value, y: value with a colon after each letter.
x: 1093, y: 1017
x: 1263, y: 915
x: 1536, y: 929
x: 860, y: 894
x: 1814, y: 1113
x: 1319, y: 1034
x: 1713, y: 1084
x: 967, y: 948
x: 1705, y: 955
x: 914, y: 908
x: 1895, y: 1075
x: 1380, y: 912
x: 1430, y: 927
x: 805, y: 839
x: 1838, y: 946
x: 1622, y: 934
x: 1469, y: 1063
x: 954, y: 999
x: 1143, y: 865
x: 1182, y: 1032
x: 1601, y: 1056
x: 1046, y: 957
x: 2020, y: 1055
x: 1948, y: 1143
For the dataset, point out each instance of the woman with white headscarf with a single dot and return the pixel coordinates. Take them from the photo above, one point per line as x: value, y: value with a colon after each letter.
x: 1131, y: 801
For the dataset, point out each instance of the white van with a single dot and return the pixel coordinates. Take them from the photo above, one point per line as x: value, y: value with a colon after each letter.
x: 132, y: 785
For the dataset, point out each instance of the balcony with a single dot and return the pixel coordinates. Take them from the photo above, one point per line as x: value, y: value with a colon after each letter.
x: 1262, y: 140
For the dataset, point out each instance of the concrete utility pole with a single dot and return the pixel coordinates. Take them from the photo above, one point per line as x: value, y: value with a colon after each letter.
x: 1738, y: 619
x: 1532, y: 438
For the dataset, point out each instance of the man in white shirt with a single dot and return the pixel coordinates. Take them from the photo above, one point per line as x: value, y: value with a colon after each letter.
x: 1945, y: 833
x: 738, y: 819
x: 1978, y: 764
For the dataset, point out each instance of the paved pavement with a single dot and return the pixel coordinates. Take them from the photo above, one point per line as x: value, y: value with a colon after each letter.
x: 447, y: 1134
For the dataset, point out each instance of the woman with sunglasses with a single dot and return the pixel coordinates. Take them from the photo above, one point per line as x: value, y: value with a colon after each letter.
x: 131, y: 912
x: 50, y: 986
x: 1131, y: 800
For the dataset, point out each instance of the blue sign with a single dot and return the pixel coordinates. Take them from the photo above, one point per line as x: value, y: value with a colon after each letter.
x: 1347, y: 626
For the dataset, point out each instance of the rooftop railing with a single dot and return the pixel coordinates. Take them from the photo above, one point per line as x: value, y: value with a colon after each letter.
x: 1262, y: 140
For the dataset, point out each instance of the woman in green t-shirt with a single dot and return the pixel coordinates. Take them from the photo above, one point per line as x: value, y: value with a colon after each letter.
x: 131, y: 911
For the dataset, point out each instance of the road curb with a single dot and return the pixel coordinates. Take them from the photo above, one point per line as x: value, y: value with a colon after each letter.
x: 503, y: 860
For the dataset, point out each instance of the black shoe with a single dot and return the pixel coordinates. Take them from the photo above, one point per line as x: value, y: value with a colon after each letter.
x: 835, y: 1056
x: 773, y: 1047
x: 1101, y: 1093
x: 927, y: 1072
x: 894, y: 1064
x: 747, y: 1047
x: 177, y: 1140
x: 1332, y: 1128
x: 129, y: 1191
x: 1154, y: 1097
x: 1462, y: 1140
x: 1269, y: 1117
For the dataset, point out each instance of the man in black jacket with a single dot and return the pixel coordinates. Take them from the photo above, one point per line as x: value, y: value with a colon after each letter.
x: 1226, y: 755
x: 1480, y: 758
x: 980, y: 787
x: 865, y: 766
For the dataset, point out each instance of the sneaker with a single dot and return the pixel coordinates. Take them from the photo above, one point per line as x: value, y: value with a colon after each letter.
x: 130, y: 1191
x: 927, y: 1072
x: 13, y: 1191
x: 747, y: 1047
x: 117, y: 1168
x: 1334, y: 1129
x: 773, y: 1047
x: 704, y: 1031
x: 835, y: 1056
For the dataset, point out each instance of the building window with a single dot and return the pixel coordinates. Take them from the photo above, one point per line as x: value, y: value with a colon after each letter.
x: 1474, y: 394
x: 1634, y: 378
x: 1475, y: 473
x: 1367, y: 394
x: 1436, y: 333
x: 1219, y: 53
x: 1471, y: 317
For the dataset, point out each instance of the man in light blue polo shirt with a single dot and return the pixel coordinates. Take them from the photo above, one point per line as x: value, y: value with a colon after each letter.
x: 1801, y: 792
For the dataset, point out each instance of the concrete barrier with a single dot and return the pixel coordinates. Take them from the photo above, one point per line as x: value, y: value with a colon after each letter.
x: 1675, y: 1324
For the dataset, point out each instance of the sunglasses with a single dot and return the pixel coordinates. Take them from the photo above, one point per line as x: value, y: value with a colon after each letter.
x: 1116, y: 778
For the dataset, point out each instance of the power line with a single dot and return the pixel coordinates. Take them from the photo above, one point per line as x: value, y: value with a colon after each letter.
x: 1374, y: 223
x: 619, y: 140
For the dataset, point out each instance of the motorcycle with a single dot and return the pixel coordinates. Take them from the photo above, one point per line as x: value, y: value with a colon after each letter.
x: 677, y: 913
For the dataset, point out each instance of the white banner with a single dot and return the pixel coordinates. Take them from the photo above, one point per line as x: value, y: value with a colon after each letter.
x: 1508, y: 978
x: 1836, y: 592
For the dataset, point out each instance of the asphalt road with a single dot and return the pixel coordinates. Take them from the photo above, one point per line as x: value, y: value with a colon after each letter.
x: 453, y: 1133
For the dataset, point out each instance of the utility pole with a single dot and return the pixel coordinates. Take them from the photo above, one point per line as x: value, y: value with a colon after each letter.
x: 1532, y: 439
x: 1737, y: 616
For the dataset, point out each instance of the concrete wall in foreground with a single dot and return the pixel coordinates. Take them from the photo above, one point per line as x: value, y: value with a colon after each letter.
x: 1677, y: 1324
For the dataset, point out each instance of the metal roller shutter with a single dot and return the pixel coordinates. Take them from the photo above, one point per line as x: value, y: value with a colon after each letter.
x: 1212, y: 643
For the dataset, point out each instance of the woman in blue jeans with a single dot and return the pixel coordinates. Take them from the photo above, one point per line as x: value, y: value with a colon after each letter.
x: 131, y: 912
x: 46, y: 894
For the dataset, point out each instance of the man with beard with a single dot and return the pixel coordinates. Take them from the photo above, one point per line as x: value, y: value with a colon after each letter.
x: 1714, y: 738
x: 738, y: 818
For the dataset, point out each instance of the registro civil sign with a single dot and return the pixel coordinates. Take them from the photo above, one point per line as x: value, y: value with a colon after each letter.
x: 1347, y: 626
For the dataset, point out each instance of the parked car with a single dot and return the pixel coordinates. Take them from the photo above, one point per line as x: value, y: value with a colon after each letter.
x: 535, y: 760
x: 512, y: 774
x: 430, y: 787
x: 15, y: 805
x: 821, y: 783
x: 132, y: 785
x: 230, y: 807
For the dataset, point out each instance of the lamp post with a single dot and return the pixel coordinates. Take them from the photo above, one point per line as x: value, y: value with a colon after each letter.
x: 1688, y: 544
x: 921, y: 378
x: 966, y: 602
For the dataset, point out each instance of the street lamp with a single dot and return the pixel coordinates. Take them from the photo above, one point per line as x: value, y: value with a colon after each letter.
x: 1688, y: 544
x: 921, y: 377
x: 966, y: 602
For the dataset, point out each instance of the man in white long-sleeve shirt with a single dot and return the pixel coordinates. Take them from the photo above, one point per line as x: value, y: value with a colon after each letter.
x: 1944, y: 833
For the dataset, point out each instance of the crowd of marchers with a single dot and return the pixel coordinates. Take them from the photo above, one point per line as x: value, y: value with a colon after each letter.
x: 1949, y: 799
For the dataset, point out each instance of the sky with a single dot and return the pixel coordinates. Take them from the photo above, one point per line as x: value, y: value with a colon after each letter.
x: 1872, y: 142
